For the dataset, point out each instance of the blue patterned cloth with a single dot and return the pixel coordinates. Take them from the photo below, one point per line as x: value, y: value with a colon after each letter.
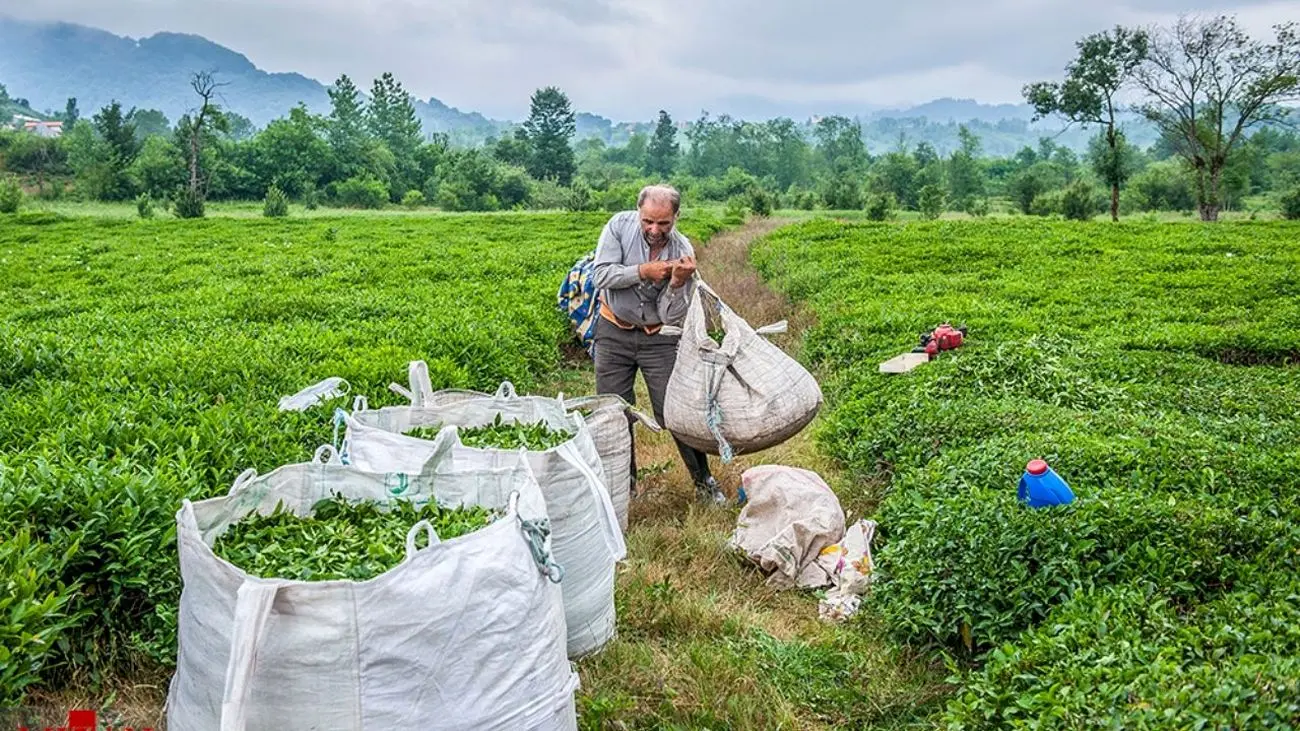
x: 579, y: 301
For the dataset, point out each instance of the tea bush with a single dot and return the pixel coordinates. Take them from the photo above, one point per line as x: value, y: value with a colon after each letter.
x: 141, y: 363
x: 1154, y: 366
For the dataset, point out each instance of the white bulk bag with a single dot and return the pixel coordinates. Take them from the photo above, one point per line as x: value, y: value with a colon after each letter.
x: 607, y: 421
x: 464, y: 634
x: 609, y: 430
x: 741, y: 396
x: 587, y: 539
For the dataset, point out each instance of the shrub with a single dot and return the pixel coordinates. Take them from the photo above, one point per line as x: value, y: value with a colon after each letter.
x: 1047, y: 204
x: 880, y: 206
x: 11, y: 194
x: 1290, y: 204
x: 930, y: 201
x: 736, y: 211
x: 277, y: 203
x: 310, y: 197
x: 413, y: 199
x: 1080, y: 201
x: 362, y: 191
x: 760, y: 202
x: 978, y: 207
x: 144, y: 205
x: 188, y: 203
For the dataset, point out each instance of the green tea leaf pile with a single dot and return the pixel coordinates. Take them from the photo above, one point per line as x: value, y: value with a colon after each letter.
x: 340, y: 540
x: 536, y: 436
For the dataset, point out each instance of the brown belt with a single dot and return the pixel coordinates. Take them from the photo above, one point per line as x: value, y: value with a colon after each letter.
x: 609, y: 315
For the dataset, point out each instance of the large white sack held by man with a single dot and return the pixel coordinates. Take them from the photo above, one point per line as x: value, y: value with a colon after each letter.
x: 585, y: 531
x: 466, y: 633
x: 740, y: 395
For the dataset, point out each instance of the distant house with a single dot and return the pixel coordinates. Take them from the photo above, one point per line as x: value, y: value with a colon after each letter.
x: 44, y: 128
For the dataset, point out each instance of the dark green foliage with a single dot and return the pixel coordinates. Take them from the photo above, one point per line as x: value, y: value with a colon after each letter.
x: 662, y: 152
x: 1149, y: 364
x: 276, y: 204
x: 11, y: 193
x: 1291, y: 204
x: 1079, y: 202
x: 188, y: 203
x: 144, y: 205
x: 760, y: 202
x: 549, y: 129
x: 930, y: 201
x: 341, y: 539
x: 880, y: 206
x: 363, y: 191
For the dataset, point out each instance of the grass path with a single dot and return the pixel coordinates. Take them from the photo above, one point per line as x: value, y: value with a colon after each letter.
x: 703, y: 642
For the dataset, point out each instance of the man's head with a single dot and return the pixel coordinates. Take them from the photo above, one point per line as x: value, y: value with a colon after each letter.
x: 658, y: 206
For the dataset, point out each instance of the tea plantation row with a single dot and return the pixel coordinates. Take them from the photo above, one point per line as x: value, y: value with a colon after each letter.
x: 142, y: 362
x: 1155, y: 368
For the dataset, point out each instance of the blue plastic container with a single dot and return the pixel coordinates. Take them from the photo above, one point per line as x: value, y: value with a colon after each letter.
x: 1041, y: 487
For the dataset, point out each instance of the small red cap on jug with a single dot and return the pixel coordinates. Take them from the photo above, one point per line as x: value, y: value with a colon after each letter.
x: 1037, y: 467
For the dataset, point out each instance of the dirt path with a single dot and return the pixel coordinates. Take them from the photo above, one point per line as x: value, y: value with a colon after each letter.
x: 703, y: 640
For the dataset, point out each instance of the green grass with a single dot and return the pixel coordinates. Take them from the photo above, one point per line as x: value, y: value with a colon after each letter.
x: 1155, y: 367
x: 141, y: 362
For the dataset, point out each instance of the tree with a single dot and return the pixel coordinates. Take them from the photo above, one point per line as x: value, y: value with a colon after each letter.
x: 392, y: 119
x: 70, y: 113
x: 965, y: 178
x: 1104, y: 67
x: 550, y: 125
x: 346, y: 125
x: 839, y: 139
x: 661, y: 154
x: 1208, y: 83
x: 931, y: 201
x: 194, y: 132
x: 149, y: 123
x: 118, y: 134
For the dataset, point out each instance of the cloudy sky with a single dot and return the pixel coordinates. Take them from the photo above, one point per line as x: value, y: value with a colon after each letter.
x: 628, y: 58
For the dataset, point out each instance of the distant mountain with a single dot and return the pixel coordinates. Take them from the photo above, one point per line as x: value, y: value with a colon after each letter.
x: 49, y: 62
x: 960, y: 110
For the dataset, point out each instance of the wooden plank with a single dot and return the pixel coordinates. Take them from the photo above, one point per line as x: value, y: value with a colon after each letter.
x: 904, y: 363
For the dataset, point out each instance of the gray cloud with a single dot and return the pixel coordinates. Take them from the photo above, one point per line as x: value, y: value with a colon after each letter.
x: 629, y: 58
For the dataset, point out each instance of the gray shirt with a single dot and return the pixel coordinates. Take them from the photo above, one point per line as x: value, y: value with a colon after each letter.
x: 621, y: 249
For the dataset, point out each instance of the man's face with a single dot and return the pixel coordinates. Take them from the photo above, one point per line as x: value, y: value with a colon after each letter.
x: 657, y: 221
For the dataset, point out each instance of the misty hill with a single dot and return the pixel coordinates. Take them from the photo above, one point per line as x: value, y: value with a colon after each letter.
x: 48, y: 62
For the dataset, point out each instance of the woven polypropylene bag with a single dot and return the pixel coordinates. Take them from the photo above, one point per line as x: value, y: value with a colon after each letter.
x: 608, y: 419
x: 588, y: 540
x: 464, y: 634
x: 739, y: 396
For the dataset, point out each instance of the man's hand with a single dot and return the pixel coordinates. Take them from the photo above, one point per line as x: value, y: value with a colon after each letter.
x: 682, y: 270
x: 655, y: 271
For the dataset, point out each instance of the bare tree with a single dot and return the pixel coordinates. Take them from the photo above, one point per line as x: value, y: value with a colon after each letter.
x: 208, y: 117
x: 1209, y: 82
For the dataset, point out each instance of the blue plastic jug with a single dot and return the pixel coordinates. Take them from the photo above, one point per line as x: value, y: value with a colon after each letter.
x: 1041, y: 487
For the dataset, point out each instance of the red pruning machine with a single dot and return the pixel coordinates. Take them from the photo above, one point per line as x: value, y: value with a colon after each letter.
x: 944, y: 337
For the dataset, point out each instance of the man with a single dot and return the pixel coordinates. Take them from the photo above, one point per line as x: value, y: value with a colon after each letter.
x: 644, y: 272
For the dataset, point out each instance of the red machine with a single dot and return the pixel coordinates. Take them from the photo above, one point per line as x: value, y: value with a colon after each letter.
x: 944, y: 337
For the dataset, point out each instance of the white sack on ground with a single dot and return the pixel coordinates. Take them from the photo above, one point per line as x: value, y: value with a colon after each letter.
x: 588, y: 540
x: 791, y: 516
x: 464, y: 634
x: 741, y: 396
x: 851, y: 570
